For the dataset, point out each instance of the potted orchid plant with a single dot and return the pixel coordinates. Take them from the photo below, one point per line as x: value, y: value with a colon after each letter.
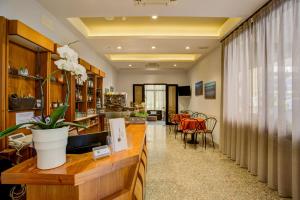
x: 50, y: 133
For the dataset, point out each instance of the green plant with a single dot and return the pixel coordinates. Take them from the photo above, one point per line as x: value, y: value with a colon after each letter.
x: 68, y: 64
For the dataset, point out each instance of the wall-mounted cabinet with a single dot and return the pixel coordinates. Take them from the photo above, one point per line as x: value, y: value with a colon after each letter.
x: 88, y: 99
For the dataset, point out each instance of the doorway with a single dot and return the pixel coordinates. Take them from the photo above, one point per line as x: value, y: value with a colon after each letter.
x: 155, y: 100
x: 157, y: 97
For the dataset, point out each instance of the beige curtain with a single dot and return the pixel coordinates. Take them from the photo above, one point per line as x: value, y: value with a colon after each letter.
x: 261, y: 99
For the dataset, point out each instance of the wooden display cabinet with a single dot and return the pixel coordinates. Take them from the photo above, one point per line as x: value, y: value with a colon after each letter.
x: 86, y: 112
x: 99, y: 92
x: 27, y: 49
x: 21, y: 46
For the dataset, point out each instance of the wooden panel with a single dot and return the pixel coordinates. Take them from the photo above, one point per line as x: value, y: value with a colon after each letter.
x: 138, y: 94
x: 44, y: 71
x: 141, y: 173
x: 3, y: 77
x: 56, y: 88
x: 105, y: 186
x: 102, y: 74
x: 144, y: 160
x: 70, y: 114
x: 95, y: 70
x: 138, y: 190
x: 16, y: 27
x: 85, y: 64
x: 52, y: 192
x: 55, y: 48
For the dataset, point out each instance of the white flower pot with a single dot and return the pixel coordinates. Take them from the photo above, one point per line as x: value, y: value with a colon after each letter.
x: 50, y: 145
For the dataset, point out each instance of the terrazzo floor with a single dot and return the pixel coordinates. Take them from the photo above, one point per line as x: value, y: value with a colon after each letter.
x: 195, y: 174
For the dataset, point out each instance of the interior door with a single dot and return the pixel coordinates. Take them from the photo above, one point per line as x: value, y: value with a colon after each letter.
x: 138, y: 93
x: 172, y: 101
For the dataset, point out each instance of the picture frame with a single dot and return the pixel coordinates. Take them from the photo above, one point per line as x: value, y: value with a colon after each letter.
x: 210, y: 90
x: 112, y: 89
x: 199, y: 88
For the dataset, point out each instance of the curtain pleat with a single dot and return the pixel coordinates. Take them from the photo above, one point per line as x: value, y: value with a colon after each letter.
x: 261, y: 100
x: 296, y: 103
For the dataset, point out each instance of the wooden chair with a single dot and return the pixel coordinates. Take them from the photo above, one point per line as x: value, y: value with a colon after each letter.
x: 172, y: 123
x: 210, y: 124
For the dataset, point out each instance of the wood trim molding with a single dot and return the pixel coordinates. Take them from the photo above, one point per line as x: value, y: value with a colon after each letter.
x: 102, y: 74
x: 46, y: 60
x: 3, y: 76
x: 95, y: 70
x: 85, y: 64
x: 16, y: 27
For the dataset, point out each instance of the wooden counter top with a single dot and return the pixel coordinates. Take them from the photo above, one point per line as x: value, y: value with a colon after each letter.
x: 79, y: 168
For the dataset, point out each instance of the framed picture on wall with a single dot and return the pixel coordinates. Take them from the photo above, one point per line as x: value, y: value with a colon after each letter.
x: 199, y: 88
x: 210, y: 90
x: 112, y: 89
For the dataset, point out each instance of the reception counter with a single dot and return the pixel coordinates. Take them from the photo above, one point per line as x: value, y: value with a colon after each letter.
x: 84, y: 178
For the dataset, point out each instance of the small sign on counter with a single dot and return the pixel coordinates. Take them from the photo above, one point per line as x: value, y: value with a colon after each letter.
x: 100, y: 152
x: 118, y: 134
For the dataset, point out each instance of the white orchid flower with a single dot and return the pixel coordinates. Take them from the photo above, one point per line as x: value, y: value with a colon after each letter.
x: 69, y: 62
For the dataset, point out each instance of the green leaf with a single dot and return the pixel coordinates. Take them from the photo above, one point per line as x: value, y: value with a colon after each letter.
x: 16, y: 127
x: 57, y: 114
x: 62, y: 124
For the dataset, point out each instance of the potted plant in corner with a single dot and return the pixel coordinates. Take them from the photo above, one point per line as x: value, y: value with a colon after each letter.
x: 50, y: 133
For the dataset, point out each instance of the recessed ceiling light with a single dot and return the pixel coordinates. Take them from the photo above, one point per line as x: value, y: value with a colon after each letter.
x: 109, y: 18
x: 153, y: 47
x: 203, y: 47
x: 174, y: 65
x: 154, y: 17
x: 119, y: 47
x: 187, y: 48
x: 130, y: 65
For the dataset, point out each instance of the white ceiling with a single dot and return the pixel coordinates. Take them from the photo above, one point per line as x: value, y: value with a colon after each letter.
x: 194, y: 8
x: 64, y: 9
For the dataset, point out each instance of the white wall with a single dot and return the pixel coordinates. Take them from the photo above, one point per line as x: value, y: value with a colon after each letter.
x: 208, y: 69
x: 129, y: 77
x: 37, y: 17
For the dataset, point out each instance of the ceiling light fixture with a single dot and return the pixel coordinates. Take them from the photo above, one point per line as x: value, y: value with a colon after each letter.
x: 119, y: 47
x: 187, y: 48
x: 146, y: 57
x: 130, y: 65
x: 153, y: 47
x: 155, y: 2
x: 111, y: 18
x: 174, y: 65
x: 154, y: 17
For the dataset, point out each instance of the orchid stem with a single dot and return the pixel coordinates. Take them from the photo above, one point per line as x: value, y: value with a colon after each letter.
x: 68, y: 88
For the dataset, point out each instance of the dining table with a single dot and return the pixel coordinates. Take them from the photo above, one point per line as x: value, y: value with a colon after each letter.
x: 178, y: 117
x: 191, y: 124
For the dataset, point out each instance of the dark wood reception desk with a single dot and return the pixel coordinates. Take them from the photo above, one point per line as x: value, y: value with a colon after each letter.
x: 83, y: 178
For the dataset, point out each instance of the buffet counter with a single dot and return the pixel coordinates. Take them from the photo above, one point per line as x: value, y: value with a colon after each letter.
x: 82, y: 177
